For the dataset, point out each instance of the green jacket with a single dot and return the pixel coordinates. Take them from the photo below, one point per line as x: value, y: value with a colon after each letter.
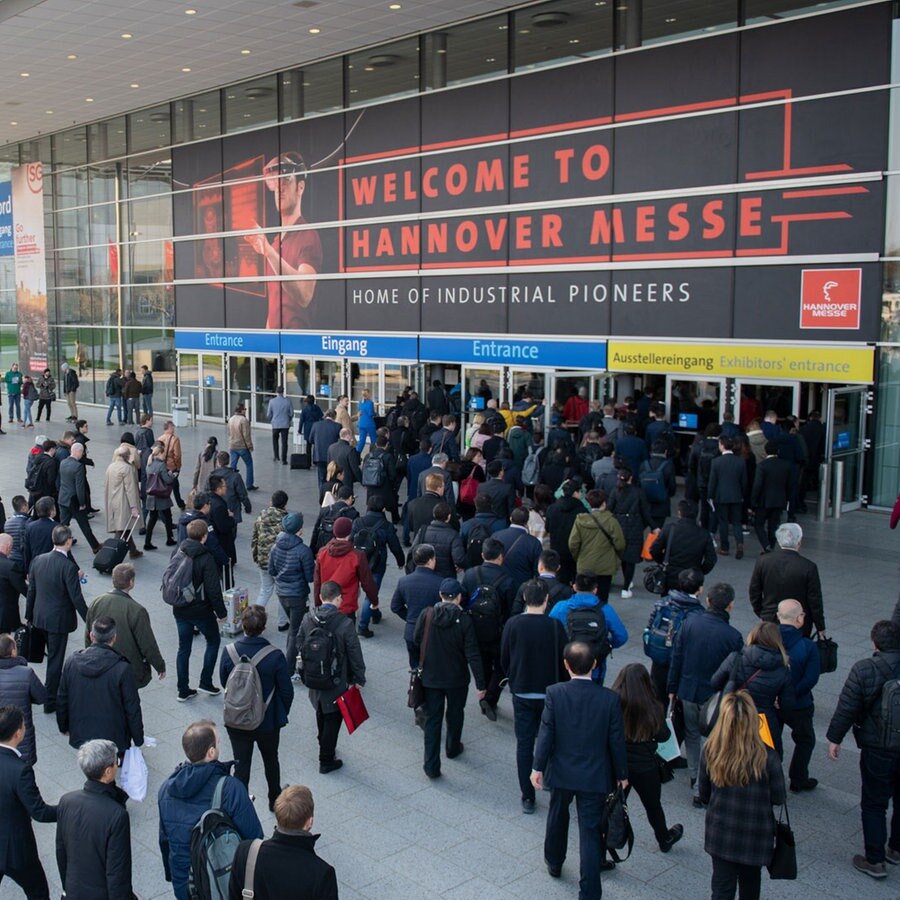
x: 134, y: 636
x: 266, y: 529
x: 13, y: 383
x: 592, y: 550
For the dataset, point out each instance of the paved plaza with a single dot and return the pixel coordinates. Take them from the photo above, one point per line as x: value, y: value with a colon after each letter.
x: 391, y: 833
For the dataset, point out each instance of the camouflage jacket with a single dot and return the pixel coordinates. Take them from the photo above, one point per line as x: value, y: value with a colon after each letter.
x: 266, y: 529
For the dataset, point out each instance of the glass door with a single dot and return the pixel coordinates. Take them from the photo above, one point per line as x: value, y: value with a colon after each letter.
x: 755, y: 399
x: 845, y: 441
x: 266, y: 379
x: 328, y: 382
x: 239, y: 381
x: 528, y: 391
x: 212, y: 389
x: 477, y: 386
x: 188, y: 366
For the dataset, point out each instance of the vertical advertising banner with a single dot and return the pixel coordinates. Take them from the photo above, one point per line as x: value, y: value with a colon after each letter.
x: 7, y: 247
x: 31, y: 272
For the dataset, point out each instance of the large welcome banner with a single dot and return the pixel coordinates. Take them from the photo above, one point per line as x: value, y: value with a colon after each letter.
x: 31, y: 271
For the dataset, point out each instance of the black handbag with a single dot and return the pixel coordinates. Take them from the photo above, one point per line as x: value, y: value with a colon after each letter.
x: 666, y: 774
x: 616, y: 826
x: 31, y: 643
x: 828, y: 654
x: 415, y: 694
x: 655, y: 576
x: 784, y: 857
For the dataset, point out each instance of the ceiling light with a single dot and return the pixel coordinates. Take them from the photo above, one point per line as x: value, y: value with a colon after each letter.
x: 394, y: 6
x: 13, y: 123
x: 88, y: 99
x: 185, y: 68
x: 49, y: 112
x: 245, y: 52
x: 369, y: 69
x: 524, y: 31
x: 710, y: 28
x: 502, y: 27
x: 315, y: 30
x: 600, y: 3
x: 670, y: 20
x: 574, y: 41
x: 127, y: 36
x: 490, y: 59
x: 202, y: 109
x: 135, y: 85
x: 24, y: 74
x: 71, y: 56
x: 549, y: 19
x: 246, y: 115
x: 190, y: 12
x: 383, y: 60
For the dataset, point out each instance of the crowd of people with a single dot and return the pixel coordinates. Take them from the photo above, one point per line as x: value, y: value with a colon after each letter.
x: 510, y: 541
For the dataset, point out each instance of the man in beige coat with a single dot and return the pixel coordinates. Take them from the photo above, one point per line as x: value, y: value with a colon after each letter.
x: 123, y: 501
x: 342, y: 412
x: 240, y: 443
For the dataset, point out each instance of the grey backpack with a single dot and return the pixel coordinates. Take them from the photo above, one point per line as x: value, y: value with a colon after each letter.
x: 245, y: 707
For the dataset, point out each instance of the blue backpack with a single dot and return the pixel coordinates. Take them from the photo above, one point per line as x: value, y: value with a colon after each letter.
x: 665, y: 622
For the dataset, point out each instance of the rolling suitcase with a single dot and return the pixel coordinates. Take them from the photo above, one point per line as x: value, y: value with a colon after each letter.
x: 113, y: 550
x: 236, y: 600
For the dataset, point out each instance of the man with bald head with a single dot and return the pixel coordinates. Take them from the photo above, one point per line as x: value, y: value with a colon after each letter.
x: 805, y: 672
x: 12, y: 586
x: 73, y: 494
x: 343, y: 454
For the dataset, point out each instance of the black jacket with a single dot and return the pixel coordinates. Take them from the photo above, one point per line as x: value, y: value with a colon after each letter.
x: 345, y: 456
x: 690, y: 547
x: 503, y: 497
x: 20, y: 686
x: 287, y: 868
x: 763, y: 674
x: 20, y: 802
x: 772, y: 484
x: 322, y: 435
x: 387, y: 490
x: 859, y: 705
x: 12, y: 586
x: 561, y: 515
x: 206, y: 573
x: 521, y: 552
x: 728, y: 479
x: 531, y: 653
x: 420, y: 511
x: 223, y: 525
x: 558, y: 590
x: 54, y: 593
x: 98, y: 698
x: 43, y: 477
x: 38, y: 539
x: 498, y: 577
x: 786, y: 575
x: 385, y: 536
x: 449, y: 552
x: 452, y: 649
x: 93, y: 843
x: 414, y: 594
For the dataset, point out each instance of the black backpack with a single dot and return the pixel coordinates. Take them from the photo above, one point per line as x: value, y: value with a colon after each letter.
x: 365, y: 539
x: 374, y: 473
x: 486, y: 612
x: 887, y: 705
x: 588, y: 625
x: 318, y: 665
x: 214, y: 841
x: 325, y: 530
x: 477, y: 536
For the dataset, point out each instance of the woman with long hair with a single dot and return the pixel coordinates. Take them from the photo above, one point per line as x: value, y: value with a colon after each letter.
x: 206, y: 462
x: 629, y: 505
x: 159, y: 504
x: 740, y: 780
x: 645, y: 728
x: 537, y: 514
x: 763, y: 669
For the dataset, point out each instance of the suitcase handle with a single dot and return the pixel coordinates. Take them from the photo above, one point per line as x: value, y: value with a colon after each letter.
x: 128, y: 532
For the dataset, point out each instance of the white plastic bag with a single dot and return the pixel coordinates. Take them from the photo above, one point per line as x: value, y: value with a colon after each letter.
x: 134, y: 774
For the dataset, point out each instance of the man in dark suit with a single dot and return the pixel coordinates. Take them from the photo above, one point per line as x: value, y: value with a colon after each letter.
x: 54, y: 598
x: 38, y: 536
x: 322, y: 435
x: 503, y: 495
x: 772, y: 486
x: 444, y: 441
x: 73, y: 495
x: 521, y: 550
x: 414, y: 594
x: 784, y: 574
x: 421, y: 510
x: 344, y: 454
x: 583, y: 740
x: 727, y: 490
x: 690, y: 546
x: 20, y: 802
x: 12, y: 586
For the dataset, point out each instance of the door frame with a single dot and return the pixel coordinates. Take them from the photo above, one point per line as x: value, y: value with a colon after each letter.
x: 765, y: 382
x: 832, y: 394
x: 721, y: 380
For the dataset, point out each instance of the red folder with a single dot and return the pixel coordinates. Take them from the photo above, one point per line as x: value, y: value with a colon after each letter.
x: 353, y: 708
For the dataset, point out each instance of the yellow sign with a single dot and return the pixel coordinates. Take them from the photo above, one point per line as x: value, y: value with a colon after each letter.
x: 798, y: 363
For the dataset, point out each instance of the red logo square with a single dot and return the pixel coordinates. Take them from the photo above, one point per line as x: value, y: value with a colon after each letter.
x: 830, y: 298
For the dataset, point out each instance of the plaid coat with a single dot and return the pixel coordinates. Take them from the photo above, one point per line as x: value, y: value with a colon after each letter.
x: 740, y: 825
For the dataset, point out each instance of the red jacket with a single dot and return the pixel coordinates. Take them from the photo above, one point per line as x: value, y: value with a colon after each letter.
x: 338, y: 561
x: 895, y: 515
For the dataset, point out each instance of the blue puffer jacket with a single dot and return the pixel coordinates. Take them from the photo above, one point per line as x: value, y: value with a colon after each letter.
x: 292, y: 565
x: 184, y: 796
x: 804, y: 656
x: 274, y: 676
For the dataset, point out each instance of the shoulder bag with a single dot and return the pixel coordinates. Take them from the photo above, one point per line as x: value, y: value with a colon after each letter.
x: 616, y: 826
x: 784, y: 856
x: 608, y: 536
x: 828, y: 654
x: 415, y: 695
x: 655, y: 576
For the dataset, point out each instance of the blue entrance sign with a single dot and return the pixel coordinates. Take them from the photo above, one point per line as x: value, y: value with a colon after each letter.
x: 509, y: 352
x: 228, y: 341
x: 351, y: 346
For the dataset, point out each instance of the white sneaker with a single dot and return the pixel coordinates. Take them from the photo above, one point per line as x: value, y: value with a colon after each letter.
x: 627, y: 595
